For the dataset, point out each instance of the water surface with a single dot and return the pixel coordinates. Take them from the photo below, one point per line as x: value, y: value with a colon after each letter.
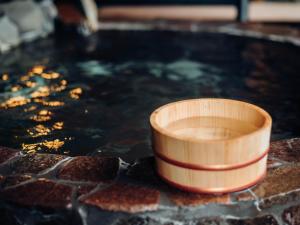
x: 94, y: 96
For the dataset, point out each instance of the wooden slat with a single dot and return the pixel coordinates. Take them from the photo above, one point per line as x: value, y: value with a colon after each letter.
x: 258, y: 11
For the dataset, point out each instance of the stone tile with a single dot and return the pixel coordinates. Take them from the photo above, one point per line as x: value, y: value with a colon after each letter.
x: 93, y: 169
x: 278, y: 182
x: 244, y: 196
x: 263, y: 220
x: 125, y: 198
x: 273, y: 162
x: 41, y: 193
x: 7, y: 153
x: 281, y: 199
x: 14, y: 180
x: 84, y: 189
x: 291, y: 215
x: 144, y: 171
x: 34, y: 163
x: 59, y: 197
x: 182, y: 198
x: 27, y: 194
x: 287, y: 150
x: 139, y: 221
x: 210, y: 221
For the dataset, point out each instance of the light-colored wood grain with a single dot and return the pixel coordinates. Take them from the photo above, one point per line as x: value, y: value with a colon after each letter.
x: 212, y: 181
x: 211, y: 134
x: 258, y: 12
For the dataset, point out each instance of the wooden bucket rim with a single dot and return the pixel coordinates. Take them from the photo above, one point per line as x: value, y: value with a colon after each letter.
x: 267, y: 123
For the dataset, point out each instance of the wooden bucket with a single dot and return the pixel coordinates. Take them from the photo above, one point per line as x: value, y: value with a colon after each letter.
x: 211, y: 145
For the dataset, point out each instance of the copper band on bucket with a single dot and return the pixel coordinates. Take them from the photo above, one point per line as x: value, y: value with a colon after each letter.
x: 211, y: 167
x: 212, y: 190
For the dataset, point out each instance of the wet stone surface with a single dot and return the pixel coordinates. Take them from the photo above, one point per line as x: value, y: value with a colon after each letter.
x: 210, y: 221
x: 109, y: 185
x: 92, y: 169
x: 14, y: 180
x: 126, y: 198
x: 182, y: 198
x: 7, y: 153
x: 84, y: 189
x: 286, y: 150
x: 33, y: 163
x: 138, y: 221
x: 292, y: 215
x: 263, y: 220
x: 281, y: 185
x: 273, y: 162
x: 143, y: 171
x: 40, y: 193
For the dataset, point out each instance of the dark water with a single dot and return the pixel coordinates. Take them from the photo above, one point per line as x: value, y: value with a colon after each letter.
x: 95, y: 96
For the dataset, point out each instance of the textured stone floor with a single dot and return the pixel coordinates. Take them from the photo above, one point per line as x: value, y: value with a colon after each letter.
x: 108, y: 184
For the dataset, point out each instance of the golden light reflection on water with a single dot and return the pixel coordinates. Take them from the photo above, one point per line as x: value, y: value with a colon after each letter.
x: 60, y: 87
x: 75, y: 93
x: 38, y: 69
x: 42, y: 130
x: 50, y: 145
x: 50, y: 103
x: 41, y: 92
x: 5, y: 77
x: 30, y: 84
x: 39, y: 130
x: 14, y: 102
x: 50, y: 76
x: 31, y: 108
x: 16, y: 88
x: 38, y: 89
x: 26, y: 77
x: 31, y: 148
x: 42, y: 116
x: 58, y: 126
x: 56, y: 144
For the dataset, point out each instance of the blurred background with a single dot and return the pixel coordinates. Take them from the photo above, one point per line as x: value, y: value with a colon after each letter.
x: 244, y: 10
x: 25, y: 20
